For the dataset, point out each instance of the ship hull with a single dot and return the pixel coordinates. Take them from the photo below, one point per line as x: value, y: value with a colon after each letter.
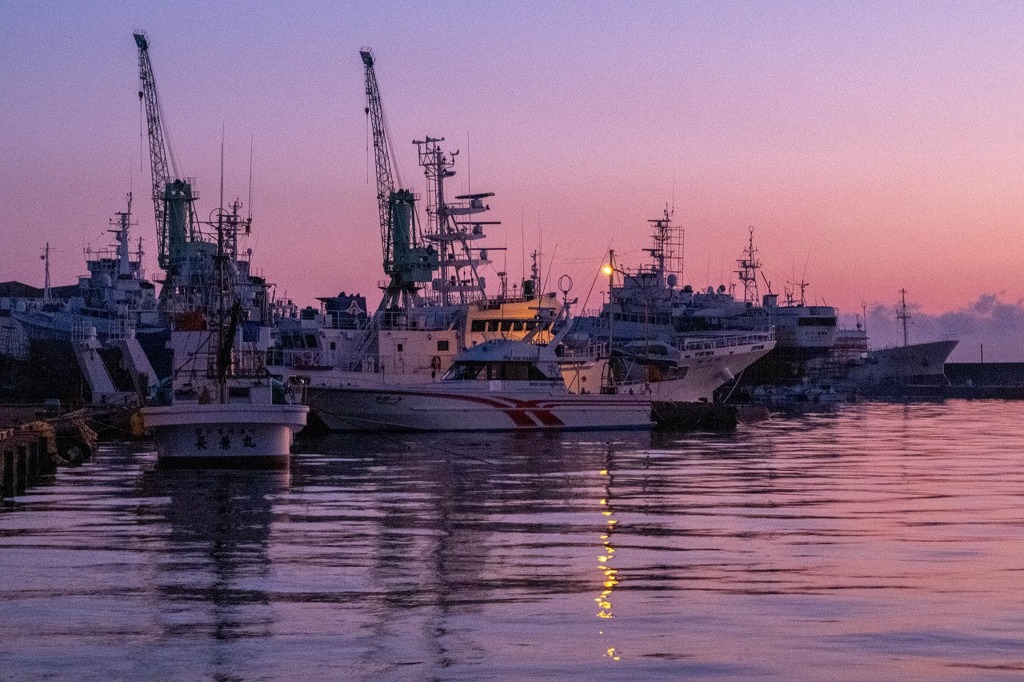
x: 66, y: 327
x: 702, y: 367
x: 433, y: 407
x: 232, y: 435
x: 887, y: 369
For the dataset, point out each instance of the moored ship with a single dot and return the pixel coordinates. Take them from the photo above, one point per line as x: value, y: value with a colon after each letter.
x: 640, y: 330
x: 498, y: 385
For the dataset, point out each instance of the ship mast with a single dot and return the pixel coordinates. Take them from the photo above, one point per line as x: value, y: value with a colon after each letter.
x: 749, y: 264
x: 902, y: 314
x: 47, y: 297
x: 667, y: 249
x: 459, y: 280
x: 121, y: 223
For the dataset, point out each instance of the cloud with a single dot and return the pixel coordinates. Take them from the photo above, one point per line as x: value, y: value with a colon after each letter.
x: 989, y: 326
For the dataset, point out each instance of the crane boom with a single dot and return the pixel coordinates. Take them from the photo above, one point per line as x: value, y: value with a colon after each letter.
x: 381, y: 153
x: 172, y: 198
x: 406, y: 264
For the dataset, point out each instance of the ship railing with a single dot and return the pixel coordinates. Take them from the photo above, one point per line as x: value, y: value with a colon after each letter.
x: 79, y: 331
x: 694, y: 343
x: 591, y: 351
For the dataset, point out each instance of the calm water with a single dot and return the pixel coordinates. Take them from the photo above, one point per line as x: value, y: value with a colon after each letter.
x: 873, y: 542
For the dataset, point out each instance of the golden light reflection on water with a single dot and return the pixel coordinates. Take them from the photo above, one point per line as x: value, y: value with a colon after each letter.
x: 609, y: 573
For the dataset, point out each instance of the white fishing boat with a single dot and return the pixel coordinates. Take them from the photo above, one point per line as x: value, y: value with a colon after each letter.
x: 498, y: 385
x: 221, y: 408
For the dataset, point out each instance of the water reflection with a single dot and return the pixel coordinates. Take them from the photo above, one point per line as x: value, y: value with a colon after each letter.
x: 212, y: 558
x: 607, y: 555
x: 457, y: 522
x: 873, y: 542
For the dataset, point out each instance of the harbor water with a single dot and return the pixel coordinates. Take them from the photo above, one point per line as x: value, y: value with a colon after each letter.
x: 873, y: 541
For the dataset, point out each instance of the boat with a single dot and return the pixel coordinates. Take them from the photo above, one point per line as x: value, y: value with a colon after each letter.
x: 435, y: 301
x: 639, y: 329
x: 802, y: 331
x: 498, y: 385
x: 96, y: 340
x: 115, y: 299
x: 428, y: 313
x: 895, y: 371
x: 220, y: 407
x: 889, y: 370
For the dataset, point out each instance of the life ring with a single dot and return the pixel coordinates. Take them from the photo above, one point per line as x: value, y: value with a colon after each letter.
x: 435, y: 363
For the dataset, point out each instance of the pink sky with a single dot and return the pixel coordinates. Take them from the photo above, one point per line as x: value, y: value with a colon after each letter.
x: 873, y: 146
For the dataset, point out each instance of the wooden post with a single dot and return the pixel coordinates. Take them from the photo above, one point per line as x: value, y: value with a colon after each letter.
x: 21, y: 455
x: 8, y: 479
x: 48, y: 458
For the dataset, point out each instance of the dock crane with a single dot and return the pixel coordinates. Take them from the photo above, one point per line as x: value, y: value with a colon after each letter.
x: 172, y: 197
x: 406, y: 263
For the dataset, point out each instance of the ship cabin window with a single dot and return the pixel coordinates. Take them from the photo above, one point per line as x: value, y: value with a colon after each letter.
x: 478, y: 326
x: 505, y: 371
x: 506, y: 325
x: 399, y: 347
x: 334, y: 345
x: 310, y: 340
x: 531, y: 325
x: 816, y: 322
x: 286, y: 341
x: 492, y: 325
x: 442, y: 345
x: 517, y: 326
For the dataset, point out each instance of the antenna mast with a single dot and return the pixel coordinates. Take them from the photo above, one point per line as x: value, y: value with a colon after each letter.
x: 902, y: 315
x: 47, y: 298
x: 749, y: 264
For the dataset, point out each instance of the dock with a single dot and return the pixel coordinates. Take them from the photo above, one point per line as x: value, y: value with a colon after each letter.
x: 33, y: 444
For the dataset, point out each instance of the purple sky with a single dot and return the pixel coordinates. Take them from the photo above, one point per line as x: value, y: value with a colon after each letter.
x: 873, y: 145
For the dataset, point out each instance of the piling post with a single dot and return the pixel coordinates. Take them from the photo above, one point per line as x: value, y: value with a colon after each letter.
x: 21, y: 470
x: 32, y: 463
x: 9, y: 473
x: 47, y: 455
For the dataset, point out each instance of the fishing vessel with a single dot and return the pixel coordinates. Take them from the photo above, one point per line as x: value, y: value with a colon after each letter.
x: 637, y: 336
x: 220, y: 407
x: 435, y: 301
x: 802, y: 331
x: 498, y: 385
x: 114, y: 299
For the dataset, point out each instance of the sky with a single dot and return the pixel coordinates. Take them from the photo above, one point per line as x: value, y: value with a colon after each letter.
x: 873, y: 146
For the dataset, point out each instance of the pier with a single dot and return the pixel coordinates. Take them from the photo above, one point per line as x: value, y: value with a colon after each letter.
x: 33, y: 445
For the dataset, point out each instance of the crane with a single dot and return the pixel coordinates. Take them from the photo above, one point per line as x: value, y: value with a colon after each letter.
x: 407, y: 264
x: 172, y: 198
